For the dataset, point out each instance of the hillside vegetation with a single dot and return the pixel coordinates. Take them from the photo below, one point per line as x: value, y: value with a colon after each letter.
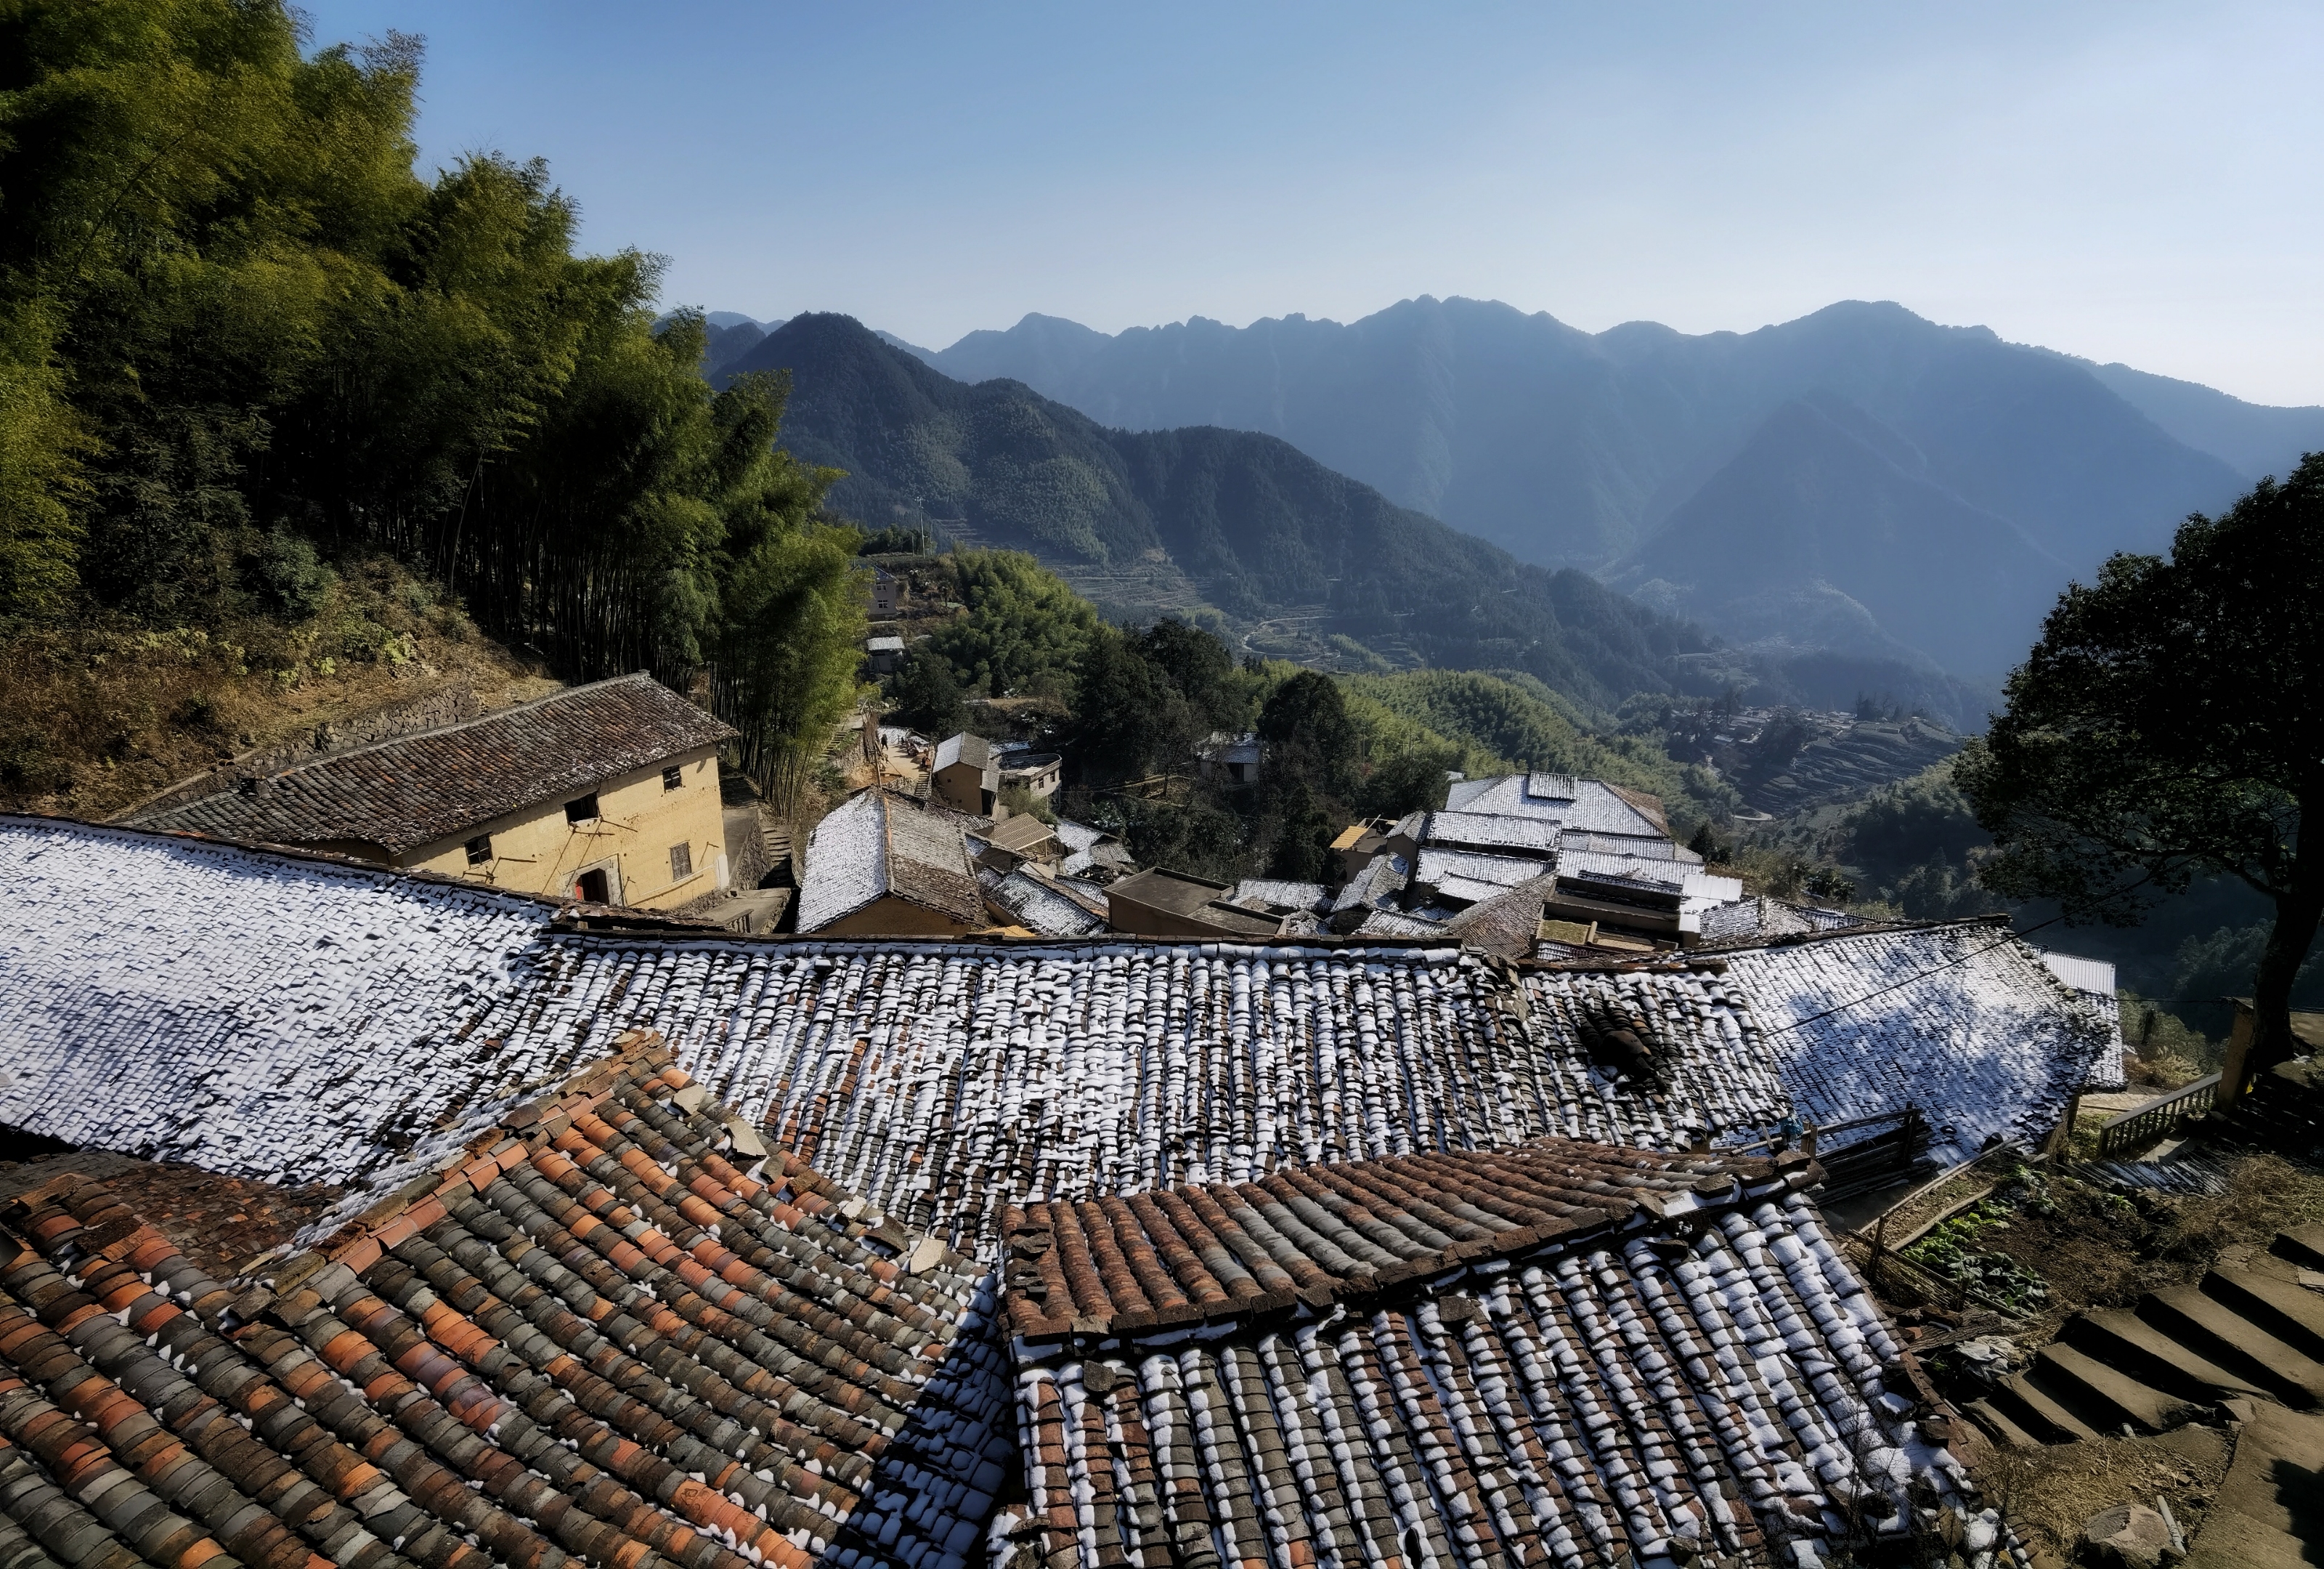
x: 1223, y: 527
x: 278, y: 351
x: 1502, y: 720
x: 98, y: 718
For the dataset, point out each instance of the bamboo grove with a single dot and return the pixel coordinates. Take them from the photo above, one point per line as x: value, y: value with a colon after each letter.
x: 237, y: 325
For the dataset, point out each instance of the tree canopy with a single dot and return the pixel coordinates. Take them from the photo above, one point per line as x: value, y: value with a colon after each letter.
x: 238, y: 329
x: 2170, y: 724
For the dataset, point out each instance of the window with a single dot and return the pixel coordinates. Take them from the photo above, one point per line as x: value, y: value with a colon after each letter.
x: 673, y: 778
x: 583, y: 810
x: 593, y: 887
x: 480, y: 849
x: 681, y: 861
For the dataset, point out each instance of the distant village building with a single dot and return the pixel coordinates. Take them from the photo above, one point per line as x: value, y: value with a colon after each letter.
x: 1038, y: 773
x: 1021, y: 840
x: 882, y: 864
x: 882, y: 655
x: 1603, y: 857
x: 606, y: 793
x: 965, y: 775
x: 1159, y: 903
x: 1046, y: 906
x: 887, y: 593
x: 1231, y: 759
x: 1092, y: 854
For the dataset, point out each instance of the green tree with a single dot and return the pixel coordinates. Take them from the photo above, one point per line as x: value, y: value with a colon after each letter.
x: 1201, y: 668
x: 1128, y: 718
x: 792, y: 618
x: 2170, y: 724
x: 927, y: 694
x: 1409, y: 782
x: 1024, y: 632
x: 1308, y: 737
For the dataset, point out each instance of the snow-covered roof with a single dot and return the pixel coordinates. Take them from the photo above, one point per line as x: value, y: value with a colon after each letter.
x: 260, y: 1014
x: 282, y: 1016
x: 1262, y: 892
x: 1736, y: 920
x: 1438, y: 868
x: 1585, y: 805
x: 1381, y: 879
x: 2094, y: 980
x: 975, y: 750
x: 1621, y: 1360
x: 1500, y: 832
x: 875, y: 844
x: 1041, y: 906
x: 1963, y: 1021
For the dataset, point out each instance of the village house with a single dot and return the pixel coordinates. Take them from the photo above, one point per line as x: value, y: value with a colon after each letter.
x: 1038, y: 773
x: 1115, y: 1228
x: 883, y: 864
x: 1161, y: 903
x: 882, y: 655
x: 888, y: 593
x: 606, y: 793
x: 1017, y: 841
x: 1231, y: 759
x: 965, y: 775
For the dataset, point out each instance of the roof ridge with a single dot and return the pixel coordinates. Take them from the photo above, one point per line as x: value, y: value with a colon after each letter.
x: 1053, y: 1266
x: 561, y: 694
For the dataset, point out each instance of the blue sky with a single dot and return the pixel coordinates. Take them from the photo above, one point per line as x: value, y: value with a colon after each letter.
x: 2125, y: 182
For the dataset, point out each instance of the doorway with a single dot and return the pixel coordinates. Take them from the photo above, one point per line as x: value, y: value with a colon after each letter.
x: 599, y: 883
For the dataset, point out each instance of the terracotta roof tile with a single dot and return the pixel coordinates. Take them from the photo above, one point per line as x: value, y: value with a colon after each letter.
x: 591, y: 1339
x: 1710, y: 1383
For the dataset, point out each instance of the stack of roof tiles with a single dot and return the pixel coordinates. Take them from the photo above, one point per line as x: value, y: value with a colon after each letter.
x: 420, y: 789
x: 1562, y: 1353
x: 592, y: 1340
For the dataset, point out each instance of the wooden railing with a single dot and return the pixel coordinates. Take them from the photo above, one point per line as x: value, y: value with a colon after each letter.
x: 2144, y: 1125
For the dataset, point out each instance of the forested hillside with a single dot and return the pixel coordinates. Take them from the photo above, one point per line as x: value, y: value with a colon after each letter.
x: 245, y: 347
x: 1243, y: 527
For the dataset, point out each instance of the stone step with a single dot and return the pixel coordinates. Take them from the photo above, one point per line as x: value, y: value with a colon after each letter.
x: 1998, y: 1426
x: 2291, y: 1313
x: 2035, y: 1412
x: 2122, y: 1340
x: 2304, y: 1245
x: 2108, y: 1396
x: 2216, y: 1332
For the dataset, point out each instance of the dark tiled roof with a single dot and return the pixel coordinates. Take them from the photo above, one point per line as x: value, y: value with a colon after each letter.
x: 1508, y: 924
x: 219, y: 1222
x: 592, y: 1340
x: 424, y: 789
x: 1555, y: 1355
x: 1119, y: 1268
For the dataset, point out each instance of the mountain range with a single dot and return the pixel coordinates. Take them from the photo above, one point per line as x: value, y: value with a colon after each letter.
x: 1860, y: 481
x: 1234, y: 527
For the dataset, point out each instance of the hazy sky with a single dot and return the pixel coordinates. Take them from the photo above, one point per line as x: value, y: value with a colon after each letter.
x: 2124, y: 181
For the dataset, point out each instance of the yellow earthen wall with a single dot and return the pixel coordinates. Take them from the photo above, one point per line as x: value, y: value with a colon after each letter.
x: 537, y: 851
x: 893, y: 918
